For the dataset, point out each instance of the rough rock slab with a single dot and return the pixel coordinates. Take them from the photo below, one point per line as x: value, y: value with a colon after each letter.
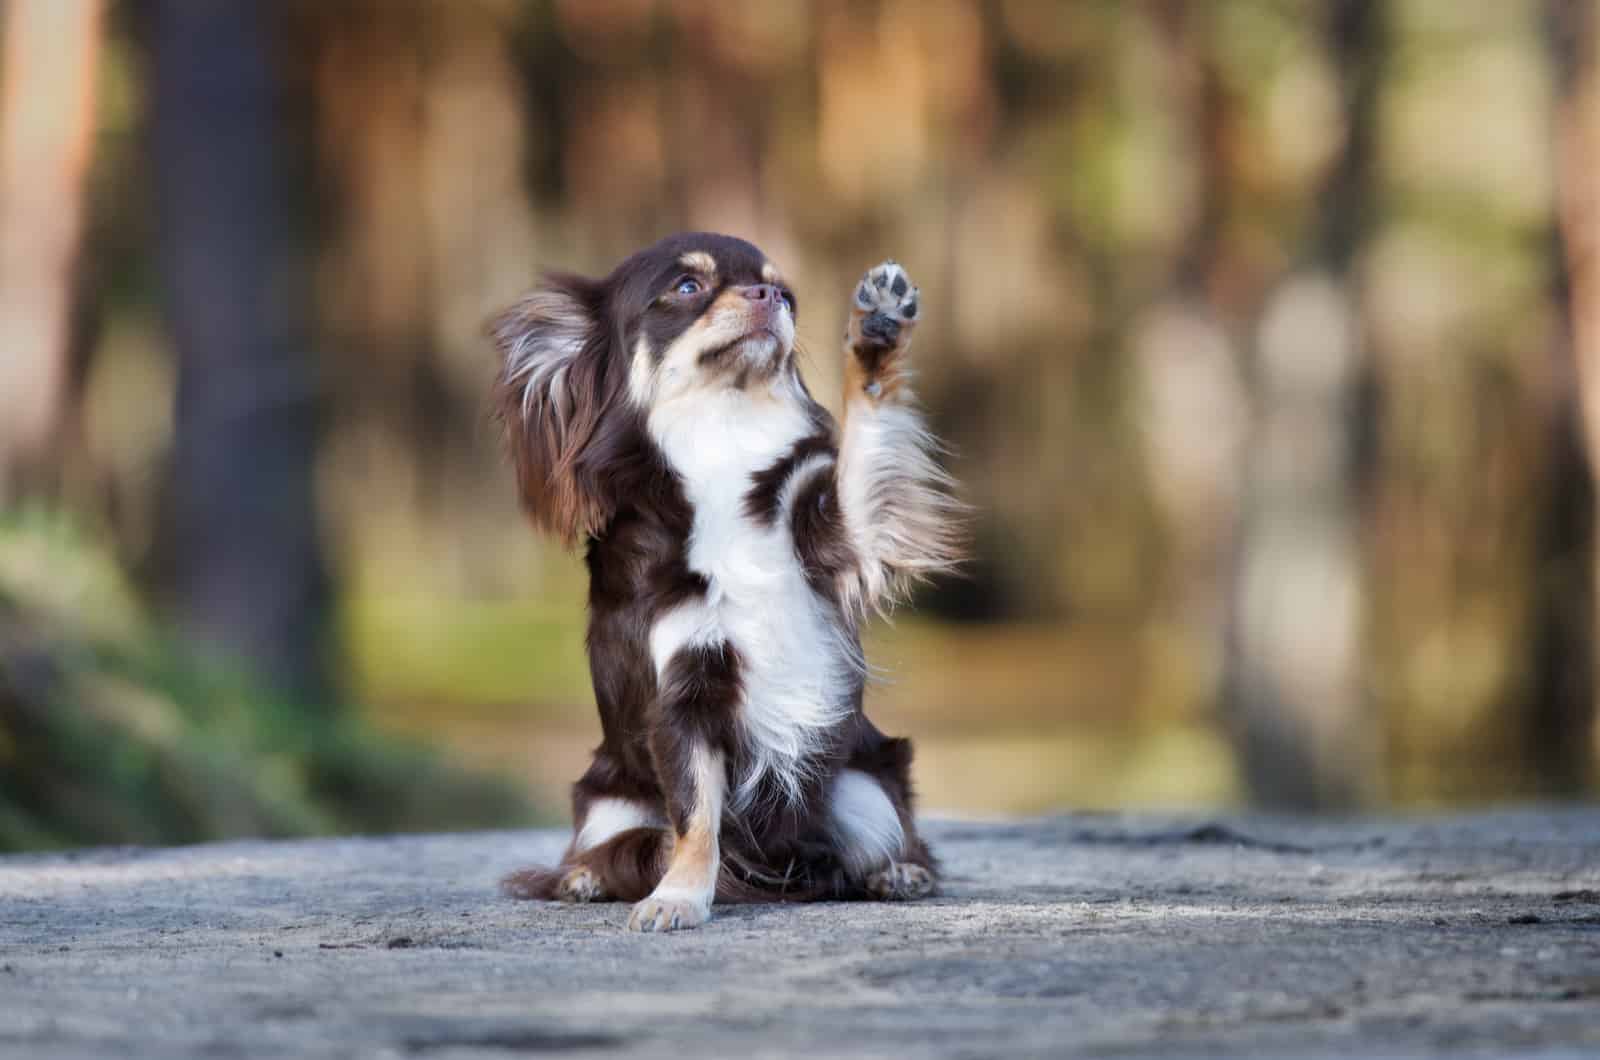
x: 1085, y: 935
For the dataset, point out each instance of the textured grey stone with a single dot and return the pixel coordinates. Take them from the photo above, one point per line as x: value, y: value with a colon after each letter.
x: 1083, y: 935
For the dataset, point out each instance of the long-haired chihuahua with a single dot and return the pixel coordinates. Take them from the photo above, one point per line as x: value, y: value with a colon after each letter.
x: 736, y: 538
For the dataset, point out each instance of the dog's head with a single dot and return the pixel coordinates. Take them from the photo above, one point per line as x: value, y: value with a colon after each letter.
x: 587, y: 361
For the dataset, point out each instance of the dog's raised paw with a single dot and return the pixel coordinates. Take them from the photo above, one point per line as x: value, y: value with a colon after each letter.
x: 580, y: 885
x: 886, y: 290
x: 882, y: 316
x: 900, y: 882
x: 666, y: 914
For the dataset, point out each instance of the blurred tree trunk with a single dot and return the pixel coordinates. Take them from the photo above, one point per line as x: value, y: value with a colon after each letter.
x: 46, y: 132
x: 1561, y: 714
x: 1193, y: 412
x: 371, y: 97
x: 1293, y: 686
x: 247, y: 571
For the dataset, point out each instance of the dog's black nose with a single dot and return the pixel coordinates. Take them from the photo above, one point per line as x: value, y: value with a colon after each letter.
x: 761, y: 292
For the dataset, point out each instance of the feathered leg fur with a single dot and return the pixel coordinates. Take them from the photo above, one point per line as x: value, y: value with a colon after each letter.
x: 897, y: 503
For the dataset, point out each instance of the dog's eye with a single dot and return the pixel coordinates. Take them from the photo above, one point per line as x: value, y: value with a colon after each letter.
x: 689, y: 285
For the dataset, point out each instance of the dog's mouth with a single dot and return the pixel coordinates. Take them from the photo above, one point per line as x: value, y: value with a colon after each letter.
x: 759, y: 348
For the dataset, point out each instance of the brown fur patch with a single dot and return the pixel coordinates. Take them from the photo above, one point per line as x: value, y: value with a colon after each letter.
x: 552, y: 397
x: 766, y: 486
x: 628, y: 866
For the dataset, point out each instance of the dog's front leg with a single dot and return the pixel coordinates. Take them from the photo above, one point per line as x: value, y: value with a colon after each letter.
x: 691, y: 725
x: 896, y: 499
x: 695, y: 781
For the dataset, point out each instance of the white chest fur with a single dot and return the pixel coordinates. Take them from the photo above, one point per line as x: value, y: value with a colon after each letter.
x: 796, y: 666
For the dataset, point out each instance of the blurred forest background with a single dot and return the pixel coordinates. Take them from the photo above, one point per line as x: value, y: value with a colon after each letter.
x: 1266, y: 334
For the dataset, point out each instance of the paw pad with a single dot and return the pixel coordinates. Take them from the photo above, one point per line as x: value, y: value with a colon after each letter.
x: 887, y: 291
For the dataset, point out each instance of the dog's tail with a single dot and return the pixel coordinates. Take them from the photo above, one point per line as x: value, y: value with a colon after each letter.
x: 628, y: 866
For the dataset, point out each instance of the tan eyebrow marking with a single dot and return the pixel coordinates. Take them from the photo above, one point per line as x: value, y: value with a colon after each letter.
x: 699, y: 261
x: 770, y: 273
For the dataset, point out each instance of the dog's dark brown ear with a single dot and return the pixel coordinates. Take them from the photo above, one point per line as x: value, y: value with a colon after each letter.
x: 552, y: 394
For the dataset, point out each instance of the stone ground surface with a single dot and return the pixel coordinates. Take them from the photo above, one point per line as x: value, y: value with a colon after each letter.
x: 1117, y: 936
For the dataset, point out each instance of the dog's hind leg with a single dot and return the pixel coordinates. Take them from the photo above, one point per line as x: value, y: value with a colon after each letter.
x: 615, y: 852
x: 625, y: 867
x: 874, y: 831
x: 617, y: 844
x: 872, y: 842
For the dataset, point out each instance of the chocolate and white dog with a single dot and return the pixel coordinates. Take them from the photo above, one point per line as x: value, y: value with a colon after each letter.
x: 736, y: 538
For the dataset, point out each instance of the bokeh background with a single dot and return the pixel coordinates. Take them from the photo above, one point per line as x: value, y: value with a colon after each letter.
x: 1266, y: 335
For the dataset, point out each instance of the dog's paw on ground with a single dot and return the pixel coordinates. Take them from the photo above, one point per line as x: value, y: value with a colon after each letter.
x: 580, y: 885
x: 667, y: 914
x: 900, y: 882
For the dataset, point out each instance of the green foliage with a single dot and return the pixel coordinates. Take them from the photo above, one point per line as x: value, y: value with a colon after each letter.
x: 110, y: 732
x: 467, y: 654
